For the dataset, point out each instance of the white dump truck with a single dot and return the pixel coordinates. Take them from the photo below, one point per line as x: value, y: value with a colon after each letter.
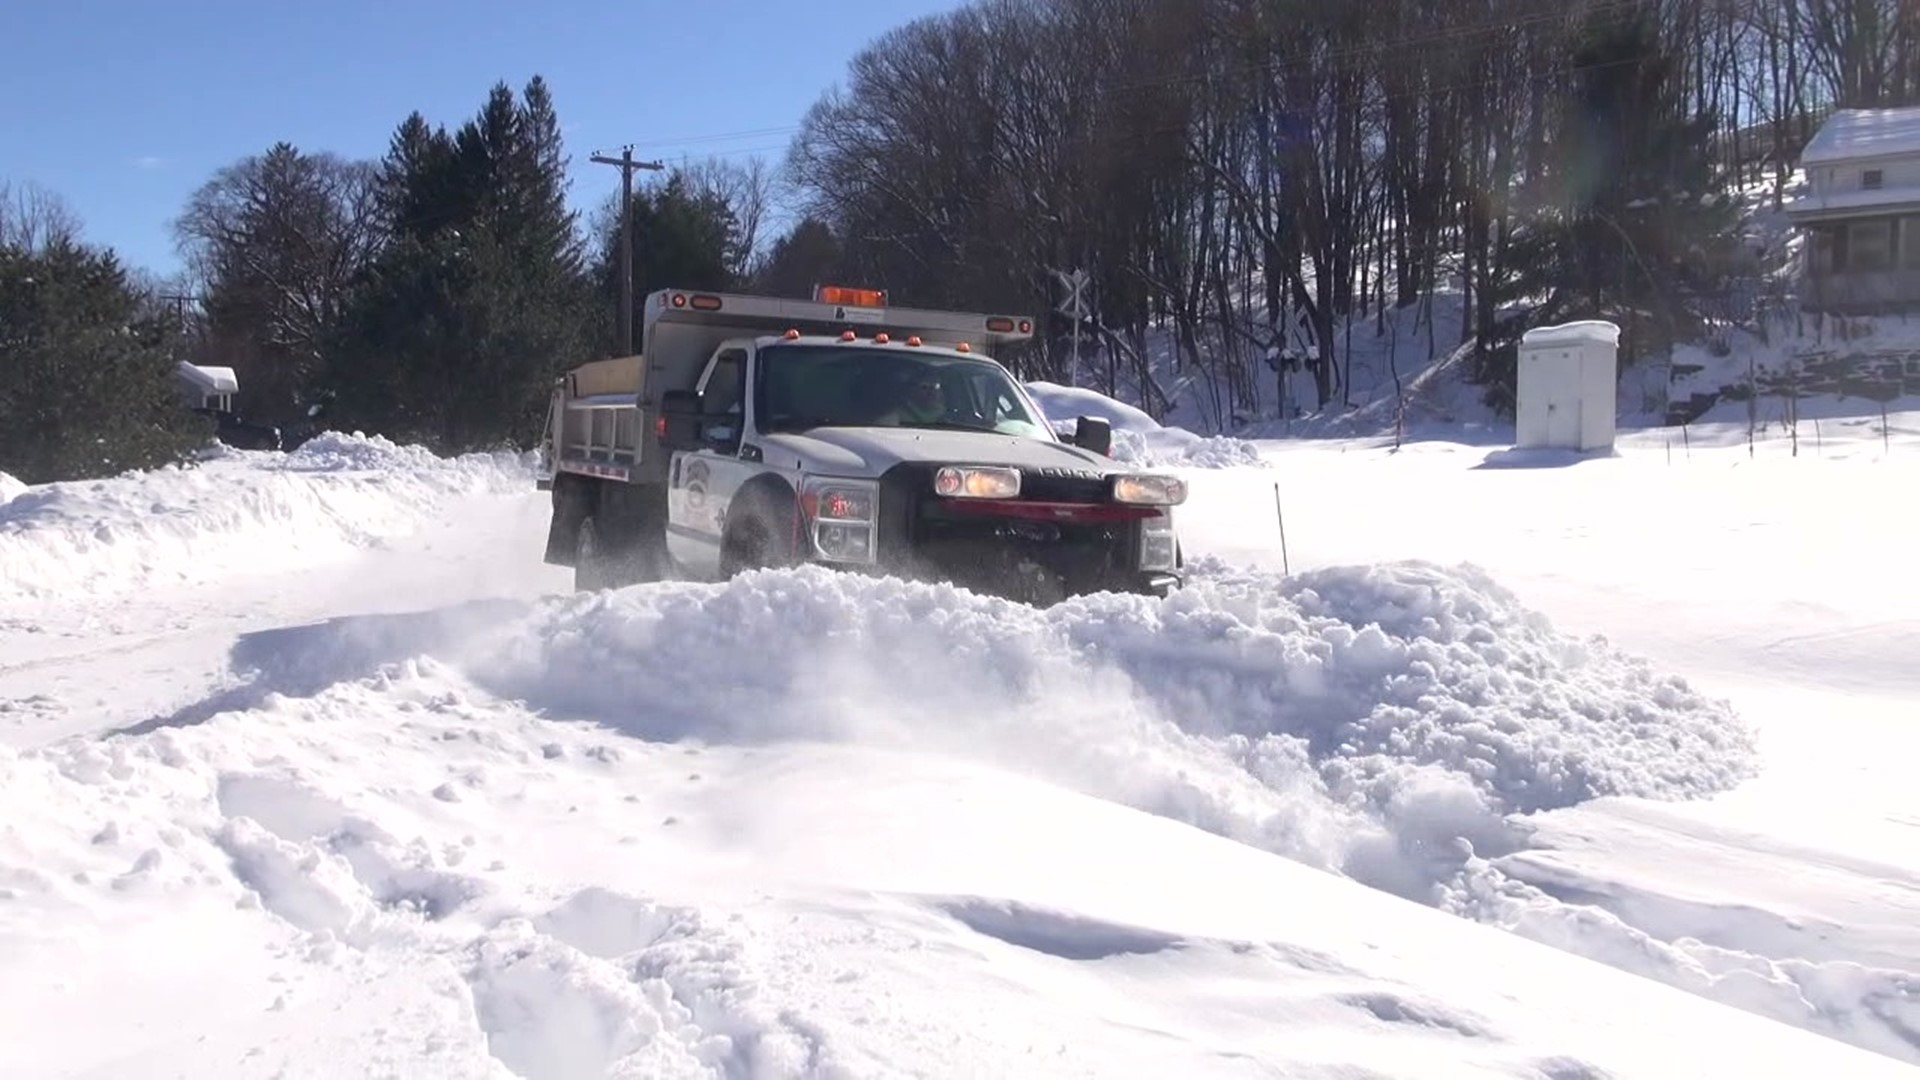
x: 755, y: 431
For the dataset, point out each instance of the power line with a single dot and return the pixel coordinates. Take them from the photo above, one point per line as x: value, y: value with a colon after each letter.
x: 713, y: 137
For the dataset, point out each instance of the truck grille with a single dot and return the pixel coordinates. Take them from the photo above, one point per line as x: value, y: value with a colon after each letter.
x: 922, y: 536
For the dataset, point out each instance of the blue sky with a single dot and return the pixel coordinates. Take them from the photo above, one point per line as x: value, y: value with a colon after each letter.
x: 123, y: 107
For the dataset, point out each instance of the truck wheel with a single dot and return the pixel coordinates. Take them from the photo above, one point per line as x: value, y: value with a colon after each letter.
x: 592, y: 570
x: 760, y: 537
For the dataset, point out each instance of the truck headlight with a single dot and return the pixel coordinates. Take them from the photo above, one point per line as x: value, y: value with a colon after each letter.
x: 1157, y: 549
x: 842, y: 518
x: 1146, y: 489
x: 977, y: 482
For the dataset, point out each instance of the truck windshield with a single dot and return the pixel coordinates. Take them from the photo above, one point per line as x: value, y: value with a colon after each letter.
x: 809, y: 386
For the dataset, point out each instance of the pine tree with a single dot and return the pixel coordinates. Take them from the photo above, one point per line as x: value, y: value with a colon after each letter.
x: 809, y: 255
x: 1642, y: 229
x: 418, y: 192
x: 86, y: 375
x: 479, y: 301
x: 1631, y: 222
x: 681, y: 239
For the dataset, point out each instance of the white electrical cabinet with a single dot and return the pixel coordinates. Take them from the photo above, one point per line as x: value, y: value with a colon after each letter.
x: 1568, y: 387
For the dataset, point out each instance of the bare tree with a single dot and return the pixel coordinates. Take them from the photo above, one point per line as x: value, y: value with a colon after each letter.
x: 32, y: 218
x: 1245, y: 179
x: 276, y: 240
x: 746, y: 189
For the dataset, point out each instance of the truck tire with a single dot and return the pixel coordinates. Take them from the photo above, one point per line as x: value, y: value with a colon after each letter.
x: 593, y: 565
x: 759, y: 533
x: 621, y: 538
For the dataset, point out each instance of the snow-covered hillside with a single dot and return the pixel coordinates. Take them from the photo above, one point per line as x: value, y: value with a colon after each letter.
x: 1760, y: 361
x: 313, y: 768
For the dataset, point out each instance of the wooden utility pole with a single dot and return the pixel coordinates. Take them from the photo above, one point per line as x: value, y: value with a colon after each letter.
x: 180, y: 302
x: 626, y: 165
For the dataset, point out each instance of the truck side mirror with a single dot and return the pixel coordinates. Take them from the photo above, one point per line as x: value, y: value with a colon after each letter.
x: 1093, y: 433
x: 680, y: 412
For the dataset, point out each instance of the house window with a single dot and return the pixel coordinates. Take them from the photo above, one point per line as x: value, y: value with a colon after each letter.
x: 1869, y: 246
x: 1872, y: 179
x: 1910, y: 242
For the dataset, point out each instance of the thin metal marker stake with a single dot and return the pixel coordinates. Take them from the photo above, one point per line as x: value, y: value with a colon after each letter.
x: 1286, y: 566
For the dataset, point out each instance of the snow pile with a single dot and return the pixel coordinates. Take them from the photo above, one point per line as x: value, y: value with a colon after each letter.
x: 403, y: 876
x: 10, y: 488
x: 237, y: 512
x: 1137, y: 438
x: 1320, y: 716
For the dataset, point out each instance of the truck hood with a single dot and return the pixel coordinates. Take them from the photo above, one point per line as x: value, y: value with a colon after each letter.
x: 870, y: 451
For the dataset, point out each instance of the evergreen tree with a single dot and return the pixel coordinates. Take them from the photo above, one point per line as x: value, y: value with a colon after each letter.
x: 418, y: 186
x: 478, y: 301
x: 86, y: 369
x: 682, y: 239
x: 1632, y: 223
x: 809, y: 255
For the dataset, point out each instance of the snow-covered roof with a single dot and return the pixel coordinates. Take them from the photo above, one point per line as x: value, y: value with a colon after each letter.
x: 213, y: 380
x: 1851, y: 134
x: 1573, y: 333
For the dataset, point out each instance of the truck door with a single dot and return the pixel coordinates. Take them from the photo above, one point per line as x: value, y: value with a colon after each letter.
x: 702, y: 482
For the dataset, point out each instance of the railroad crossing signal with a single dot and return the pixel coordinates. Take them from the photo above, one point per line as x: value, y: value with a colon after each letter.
x: 1075, y: 304
x: 1074, y: 307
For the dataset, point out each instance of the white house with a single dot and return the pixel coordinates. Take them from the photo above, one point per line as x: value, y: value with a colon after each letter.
x: 206, y: 387
x: 1861, y: 212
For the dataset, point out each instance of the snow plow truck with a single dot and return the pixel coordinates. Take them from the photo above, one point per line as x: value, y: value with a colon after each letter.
x: 753, y: 431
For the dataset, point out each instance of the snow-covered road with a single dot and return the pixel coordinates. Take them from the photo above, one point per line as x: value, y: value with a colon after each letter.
x: 386, y: 799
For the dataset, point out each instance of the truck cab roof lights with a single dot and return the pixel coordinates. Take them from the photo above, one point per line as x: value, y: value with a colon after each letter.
x: 847, y: 335
x: 881, y: 338
x: 914, y: 341
x: 963, y: 347
x: 791, y: 335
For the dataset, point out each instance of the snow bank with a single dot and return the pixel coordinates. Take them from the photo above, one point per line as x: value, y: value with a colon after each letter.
x: 1137, y: 437
x: 10, y: 488
x: 237, y: 512
x: 1063, y: 404
x: 1361, y: 719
